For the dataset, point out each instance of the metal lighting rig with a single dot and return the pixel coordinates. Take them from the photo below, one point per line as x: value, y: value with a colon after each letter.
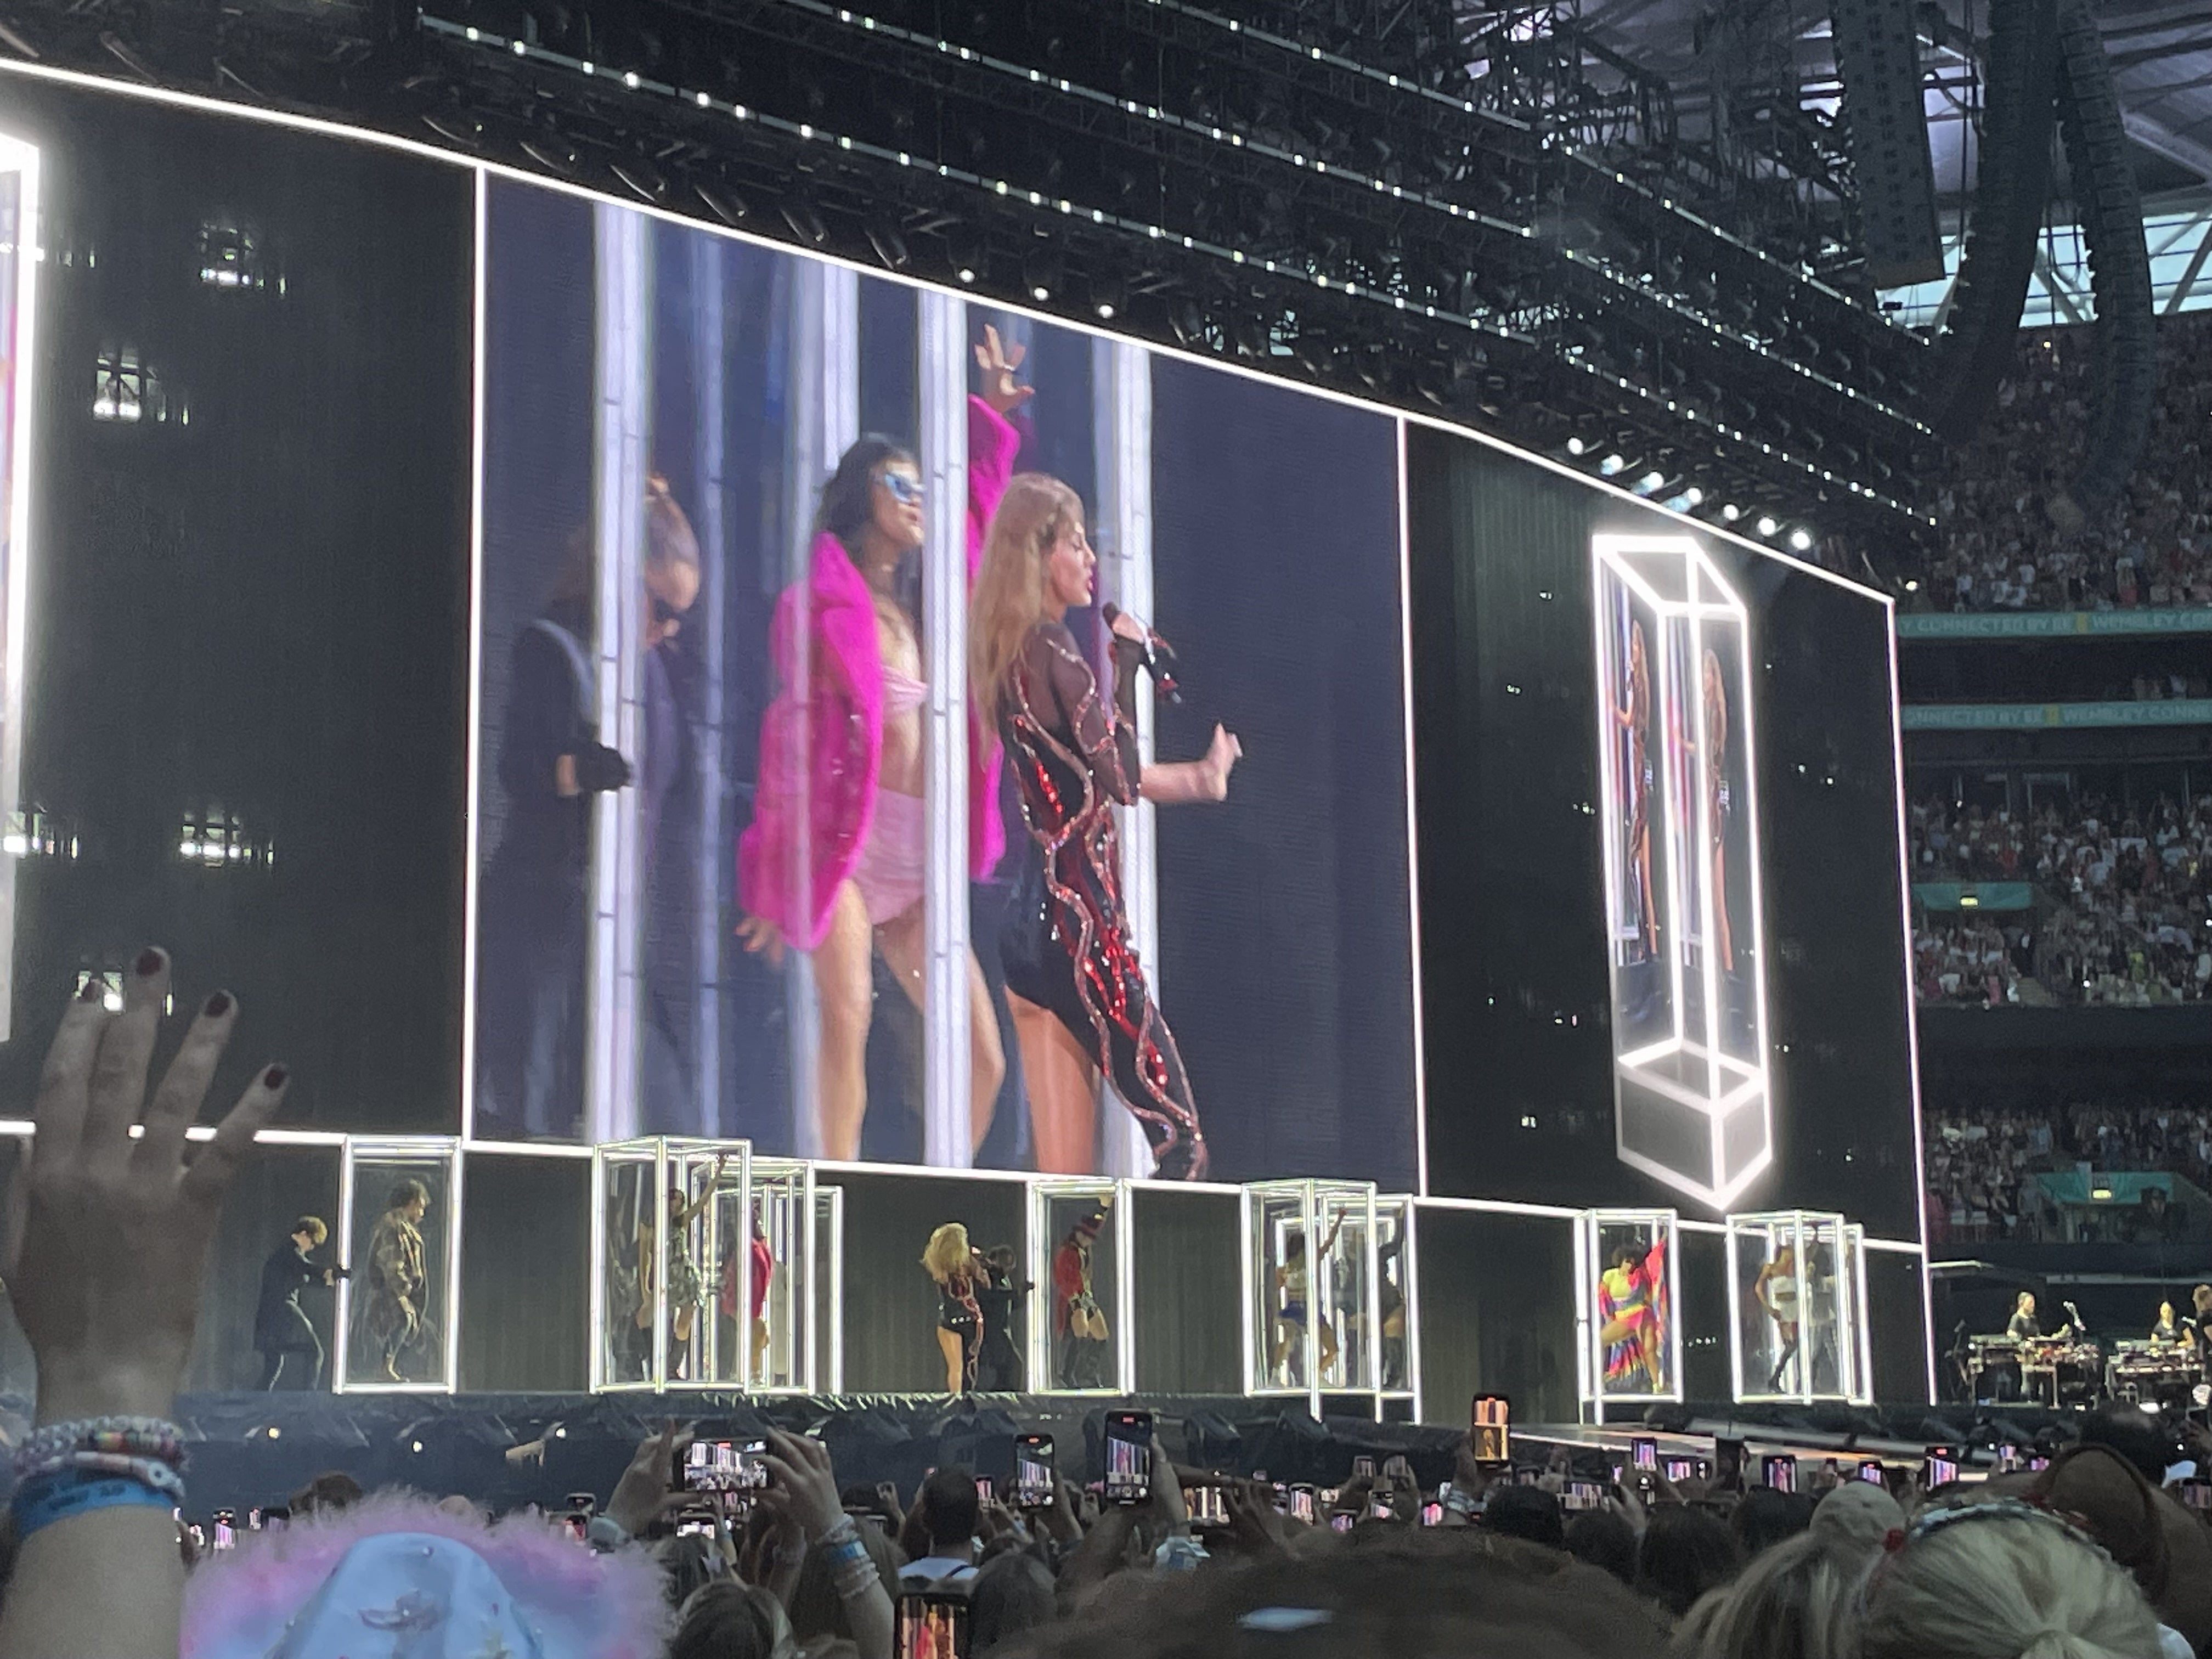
x: 1445, y: 212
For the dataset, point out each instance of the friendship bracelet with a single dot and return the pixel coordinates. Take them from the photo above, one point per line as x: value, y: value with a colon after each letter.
x: 62, y: 1497
x: 162, y: 1477
x: 138, y: 1437
x: 843, y: 1529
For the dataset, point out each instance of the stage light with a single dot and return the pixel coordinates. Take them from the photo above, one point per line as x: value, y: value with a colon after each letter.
x: 1731, y: 512
x: 1650, y: 482
x: 1576, y: 446
x: 1801, y: 539
x: 1912, y: 584
x: 1611, y: 464
x: 1766, y: 526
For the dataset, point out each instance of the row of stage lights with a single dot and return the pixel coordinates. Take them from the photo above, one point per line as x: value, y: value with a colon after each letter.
x: 1691, y: 498
x: 968, y: 273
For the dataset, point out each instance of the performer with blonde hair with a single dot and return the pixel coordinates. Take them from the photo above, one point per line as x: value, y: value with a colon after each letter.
x: 956, y: 1267
x: 1075, y: 758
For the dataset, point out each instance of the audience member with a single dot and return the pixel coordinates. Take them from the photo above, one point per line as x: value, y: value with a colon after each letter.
x: 1528, y: 1512
x: 2003, y: 1580
x: 943, y: 1523
x: 1684, y: 1553
x: 1604, y: 1539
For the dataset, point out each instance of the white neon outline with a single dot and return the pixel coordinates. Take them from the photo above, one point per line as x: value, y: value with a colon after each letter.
x: 472, y: 739
x: 1851, y: 1310
x: 1911, y: 1009
x: 797, y: 1175
x: 1589, y: 1226
x: 1407, y: 1208
x: 1412, y: 831
x: 1042, y: 1241
x: 443, y: 1150
x: 1733, y: 1084
x: 22, y: 158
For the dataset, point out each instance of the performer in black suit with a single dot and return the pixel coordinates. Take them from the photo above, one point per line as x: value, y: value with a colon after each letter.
x: 282, y: 1329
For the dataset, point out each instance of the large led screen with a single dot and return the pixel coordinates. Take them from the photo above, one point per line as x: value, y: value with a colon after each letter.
x: 816, y: 802
x: 1662, y: 933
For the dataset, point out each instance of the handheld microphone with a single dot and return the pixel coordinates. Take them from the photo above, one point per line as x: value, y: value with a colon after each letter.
x: 1158, y: 657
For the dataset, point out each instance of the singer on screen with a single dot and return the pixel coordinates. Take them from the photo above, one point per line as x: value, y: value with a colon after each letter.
x: 832, y: 862
x: 1074, y: 759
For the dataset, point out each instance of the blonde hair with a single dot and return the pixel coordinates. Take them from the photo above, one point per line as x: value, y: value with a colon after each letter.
x: 1793, y: 1601
x: 948, y: 1253
x: 2004, y: 1583
x: 1009, y: 596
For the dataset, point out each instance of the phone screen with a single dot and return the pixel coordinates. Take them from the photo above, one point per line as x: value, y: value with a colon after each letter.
x: 1302, y: 1504
x: 1679, y: 1468
x: 1581, y: 1495
x: 726, y: 1465
x: 578, y: 1525
x: 932, y: 1627
x: 1340, y: 1523
x: 2197, y: 1494
x: 1432, y: 1515
x: 1128, y: 1457
x: 2007, y: 1459
x: 1363, y: 1468
x: 694, y: 1523
x: 986, y: 1489
x: 1644, y: 1451
x: 1490, y: 1428
x: 1033, y: 1472
x: 1940, y: 1467
x: 1779, y: 1471
x: 1728, y: 1463
x: 226, y: 1530
x: 1207, y: 1506
x: 1871, y: 1471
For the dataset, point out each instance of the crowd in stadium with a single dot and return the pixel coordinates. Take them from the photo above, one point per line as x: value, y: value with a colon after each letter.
x: 1983, y: 1161
x: 1994, y: 545
x: 2120, y: 913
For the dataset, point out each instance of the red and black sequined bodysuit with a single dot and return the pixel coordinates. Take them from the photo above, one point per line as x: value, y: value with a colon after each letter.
x: 1074, y: 759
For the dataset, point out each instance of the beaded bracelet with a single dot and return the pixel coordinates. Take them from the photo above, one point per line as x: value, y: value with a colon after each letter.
x: 62, y: 1497
x: 151, y: 1437
x: 161, y: 1477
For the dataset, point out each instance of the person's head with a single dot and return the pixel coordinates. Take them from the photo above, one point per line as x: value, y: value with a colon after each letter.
x: 1037, y: 562
x: 872, y: 502
x: 1640, y: 660
x: 688, y: 1562
x: 817, y: 1609
x: 1013, y: 1594
x: 1085, y: 1231
x: 309, y: 1231
x: 1765, y: 1517
x: 1605, y: 1540
x: 949, y: 1508
x: 1793, y: 1603
x: 726, y: 1619
x: 1856, y: 1515
x: 326, y: 1493
x: 1683, y: 1554
x: 1625, y: 1256
x: 2003, y: 1580
x: 409, y: 1198
x: 671, y: 564
x: 2166, y: 1313
x: 2026, y: 1304
x: 999, y: 1258
x: 2201, y: 1298
x: 1378, y: 1593
x: 948, y: 1252
x: 1526, y: 1512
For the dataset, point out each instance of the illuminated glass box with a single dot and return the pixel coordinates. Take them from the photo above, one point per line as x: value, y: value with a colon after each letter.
x: 1081, y: 1274
x: 780, y: 1307
x: 670, y: 1235
x: 1630, y: 1347
x: 397, y: 1324
x: 1309, y: 1272
x: 1397, y: 1299
x: 1796, y: 1307
x: 1679, y: 811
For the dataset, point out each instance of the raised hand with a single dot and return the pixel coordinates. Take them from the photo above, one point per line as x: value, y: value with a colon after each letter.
x: 999, y: 363
x: 1221, y: 758
x: 105, y: 1272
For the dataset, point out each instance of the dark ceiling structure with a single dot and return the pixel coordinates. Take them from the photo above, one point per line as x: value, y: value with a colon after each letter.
x: 1625, y: 233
